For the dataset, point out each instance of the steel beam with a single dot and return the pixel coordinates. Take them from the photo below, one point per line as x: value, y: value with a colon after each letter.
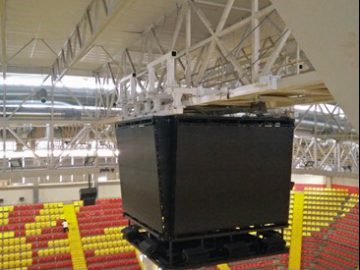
x: 80, y: 42
x: 4, y: 63
x: 255, y: 41
x: 275, y: 54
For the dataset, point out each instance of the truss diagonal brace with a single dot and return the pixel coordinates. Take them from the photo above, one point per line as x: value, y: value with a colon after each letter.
x: 85, y: 33
x: 215, y: 35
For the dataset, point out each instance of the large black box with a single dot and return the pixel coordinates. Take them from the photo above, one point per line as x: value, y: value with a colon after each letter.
x: 183, y: 176
x: 88, y: 195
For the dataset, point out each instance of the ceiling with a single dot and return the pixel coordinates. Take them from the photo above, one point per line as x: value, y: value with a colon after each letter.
x: 40, y: 27
x: 34, y: 31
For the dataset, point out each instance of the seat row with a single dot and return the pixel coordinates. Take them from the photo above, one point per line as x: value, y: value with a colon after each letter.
x: 28, y: 207
x: 53, y: 251
x: 24, y: 213
x: 261, y: 263
x: 345, y: 227
x: 52, y: 258
x: 115, y: 265
x: 322, y: 208
x: 101, y: 238
x: 12, y: 241
x: 14, y: 248
x: 103, y: 225
x: 102, y: 218
x: 53, y: 265
x: 16, y: 264
x: 114, y: 250
x: 109, y: 201
x: 106, y: 244
x: 318, y: 218
x: 115, y: 257
x: 20, y: 254
x: 325, y: 198
x: 101, y: 212
x: 322, y: 203
x: 320, y: 213
x: 97, y: 207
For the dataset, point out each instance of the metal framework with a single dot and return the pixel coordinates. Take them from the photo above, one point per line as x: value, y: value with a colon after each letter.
x: 246, y: 56
x: 212, y: 70
x: 325, y: 143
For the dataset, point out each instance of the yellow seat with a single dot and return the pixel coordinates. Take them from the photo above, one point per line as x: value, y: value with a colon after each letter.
x: 17, y: 263
x: 11, y: 264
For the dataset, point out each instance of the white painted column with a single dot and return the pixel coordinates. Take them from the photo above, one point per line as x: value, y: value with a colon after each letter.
x: 255, y: 41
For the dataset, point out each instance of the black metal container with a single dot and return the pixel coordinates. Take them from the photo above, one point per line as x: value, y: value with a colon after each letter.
x: 185, y: 178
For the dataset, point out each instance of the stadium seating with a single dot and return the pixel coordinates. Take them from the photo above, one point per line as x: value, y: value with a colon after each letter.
x: 100, y: 227
x: 31, y: 236
x: 287, y: 231
x: 331, y: 233
x: 268, y: 263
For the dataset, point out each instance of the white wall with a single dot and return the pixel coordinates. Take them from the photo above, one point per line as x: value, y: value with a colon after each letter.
x: 57, y: 192
x: 53, y: 193
x: 353, y: 182
x: 11, y: 195
x: 307, y: 179
x: 109, y: 189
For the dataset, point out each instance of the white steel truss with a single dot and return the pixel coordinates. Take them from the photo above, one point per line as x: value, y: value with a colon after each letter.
x: 188, y: 58
x: 325, y: 142
x: 236, y: 64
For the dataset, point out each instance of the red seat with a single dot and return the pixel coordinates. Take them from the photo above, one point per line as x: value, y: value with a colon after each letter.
x: 46, y: 237
x: 113, y: 257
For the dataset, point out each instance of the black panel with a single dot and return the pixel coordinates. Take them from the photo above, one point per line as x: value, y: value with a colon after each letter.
x: 139, y: 174
x: 183, y: 176
x: 165, y: 136
x: 229, y: 176
x: 189, y: 183
x: 88, y: 195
